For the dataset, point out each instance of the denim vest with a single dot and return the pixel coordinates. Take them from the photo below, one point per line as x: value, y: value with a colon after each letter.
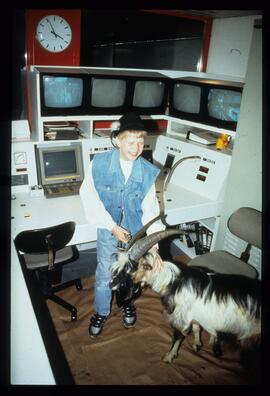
x: 123, y: 200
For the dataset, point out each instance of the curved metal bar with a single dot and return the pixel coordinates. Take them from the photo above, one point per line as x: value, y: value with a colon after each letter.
x: 168, y: 178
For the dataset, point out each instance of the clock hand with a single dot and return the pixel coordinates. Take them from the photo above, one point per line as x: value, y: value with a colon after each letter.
x: 53, y: 31
x: 57, y: 35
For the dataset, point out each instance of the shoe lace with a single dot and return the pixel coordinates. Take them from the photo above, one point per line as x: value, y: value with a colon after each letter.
x: 98, y: 320
x: 129, y: 310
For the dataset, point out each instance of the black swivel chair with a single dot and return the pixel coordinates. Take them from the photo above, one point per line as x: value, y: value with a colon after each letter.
x: 246, y: 224
x: 45, y: 252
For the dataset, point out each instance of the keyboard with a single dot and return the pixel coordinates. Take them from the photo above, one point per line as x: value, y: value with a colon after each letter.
x: 61, y: 189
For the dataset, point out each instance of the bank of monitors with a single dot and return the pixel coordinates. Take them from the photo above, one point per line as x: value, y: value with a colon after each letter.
x: 212, y: 104
x: 65, y: 94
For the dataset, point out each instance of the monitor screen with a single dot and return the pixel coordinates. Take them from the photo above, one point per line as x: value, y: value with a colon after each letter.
x: 224, y: 104
x: 62, y: 92
x: 148, y: 94
x: 108, y: 92
x: 187, y: 98
x: 59, y: 164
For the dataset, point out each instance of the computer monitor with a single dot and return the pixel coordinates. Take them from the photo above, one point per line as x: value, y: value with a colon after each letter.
x: 63, y: 94
x: 223, y: 106
x: 149, y: 96
x: 186, y: 100
x: 59, y: 163
x: 109, y: 95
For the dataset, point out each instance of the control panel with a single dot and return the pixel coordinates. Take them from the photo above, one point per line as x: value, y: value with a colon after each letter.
x: 196, y: 168
x: 23, y: 166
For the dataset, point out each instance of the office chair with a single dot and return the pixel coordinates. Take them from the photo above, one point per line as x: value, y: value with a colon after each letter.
x: 246, y: 224
x: 44, y: 251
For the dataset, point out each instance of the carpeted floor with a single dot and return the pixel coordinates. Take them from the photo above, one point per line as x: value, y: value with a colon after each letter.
x: 133, y: 357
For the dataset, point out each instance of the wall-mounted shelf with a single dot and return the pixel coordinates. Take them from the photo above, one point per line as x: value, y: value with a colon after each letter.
x: 89, y: 114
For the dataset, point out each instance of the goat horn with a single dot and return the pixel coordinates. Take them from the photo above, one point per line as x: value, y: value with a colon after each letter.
x: 142, y: 231
x: 144, y: 244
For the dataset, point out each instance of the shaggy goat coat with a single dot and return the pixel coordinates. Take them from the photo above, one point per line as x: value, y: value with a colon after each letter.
x: 220, y: 303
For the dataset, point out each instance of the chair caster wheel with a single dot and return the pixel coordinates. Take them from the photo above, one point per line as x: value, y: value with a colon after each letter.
x: 74, y: 315
x: 79, y: 286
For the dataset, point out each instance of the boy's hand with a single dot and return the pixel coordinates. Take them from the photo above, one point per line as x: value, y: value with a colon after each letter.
x: 121, y: 234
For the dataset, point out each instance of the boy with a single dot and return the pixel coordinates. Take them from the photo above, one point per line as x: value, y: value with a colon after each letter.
x: 119, y: 197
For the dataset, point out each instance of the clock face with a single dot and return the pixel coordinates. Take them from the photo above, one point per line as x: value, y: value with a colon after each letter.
x: 54, y: 33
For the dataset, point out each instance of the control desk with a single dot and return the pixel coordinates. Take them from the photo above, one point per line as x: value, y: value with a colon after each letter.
x: 195, y: 189
x: 28, y: 212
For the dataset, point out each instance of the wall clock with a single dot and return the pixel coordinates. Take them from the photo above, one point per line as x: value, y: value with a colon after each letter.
x: 53, y: 37
x: 54, y: 33
x: 46, y: 48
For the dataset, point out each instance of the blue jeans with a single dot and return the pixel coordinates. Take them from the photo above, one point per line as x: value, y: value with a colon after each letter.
x: 106, y: 247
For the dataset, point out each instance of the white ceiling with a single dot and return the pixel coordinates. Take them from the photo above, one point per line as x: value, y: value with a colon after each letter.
x: 224, y: 13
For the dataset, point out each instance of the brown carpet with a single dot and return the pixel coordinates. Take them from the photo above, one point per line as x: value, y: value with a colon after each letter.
x: 122, y: 356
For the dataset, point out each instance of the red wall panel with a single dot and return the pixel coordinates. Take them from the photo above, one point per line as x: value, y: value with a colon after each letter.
x: 37, y: 55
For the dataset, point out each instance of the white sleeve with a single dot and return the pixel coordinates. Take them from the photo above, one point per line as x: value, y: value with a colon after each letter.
x: 150, y: 208
x: 95, y: 212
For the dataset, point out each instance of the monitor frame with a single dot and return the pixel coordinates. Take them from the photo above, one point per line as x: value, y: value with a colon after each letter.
x: 117, y: 110
x: 44, y: 180
x: 230, y: 125
x: 195, y: 117
x: 161, y: 109
x: 47, y: 111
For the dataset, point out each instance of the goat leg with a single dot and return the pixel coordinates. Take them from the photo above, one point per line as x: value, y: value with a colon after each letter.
x: 216, y: 345
x: 196, y: 329
x: 178, y: 338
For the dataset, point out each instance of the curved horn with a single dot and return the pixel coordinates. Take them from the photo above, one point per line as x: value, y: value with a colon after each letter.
x: 142, y: 231
x: 144, y: 244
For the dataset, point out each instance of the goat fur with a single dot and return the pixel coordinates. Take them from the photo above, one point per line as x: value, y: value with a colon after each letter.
x: 219, y: 303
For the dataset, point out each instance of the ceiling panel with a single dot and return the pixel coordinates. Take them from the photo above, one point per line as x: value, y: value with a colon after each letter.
x: 224, y: 13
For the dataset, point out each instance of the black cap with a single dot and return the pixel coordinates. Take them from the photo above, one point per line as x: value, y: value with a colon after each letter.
x: 130, y: 121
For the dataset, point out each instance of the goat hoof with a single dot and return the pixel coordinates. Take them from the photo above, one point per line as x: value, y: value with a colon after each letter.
x: 168, y: 358
x: 217, y: 351
x: 196, y: 347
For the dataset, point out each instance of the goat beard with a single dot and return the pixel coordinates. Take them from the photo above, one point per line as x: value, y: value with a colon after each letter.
x: 127, y: 292
x: 130, y: 284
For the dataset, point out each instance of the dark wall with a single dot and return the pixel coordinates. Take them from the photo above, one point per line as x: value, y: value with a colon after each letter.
x: 18, y: 80
x: 121, y: 38
x: 132, y: 38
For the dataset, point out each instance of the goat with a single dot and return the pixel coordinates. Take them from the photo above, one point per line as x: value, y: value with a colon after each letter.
x: 219, y: 303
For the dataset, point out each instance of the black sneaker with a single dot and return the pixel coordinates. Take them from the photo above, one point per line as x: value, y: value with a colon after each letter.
x: 96, y: 323
x: 129, y: 315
